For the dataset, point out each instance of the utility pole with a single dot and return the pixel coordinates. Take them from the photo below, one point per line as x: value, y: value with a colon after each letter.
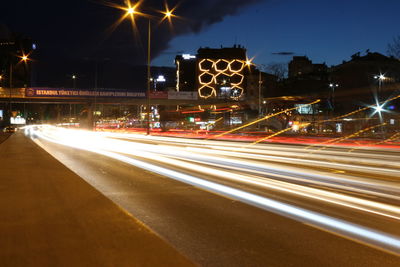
x: 11, y: 85
x: 259, y: 93
x: 95, y: 95
x: 148, y: 79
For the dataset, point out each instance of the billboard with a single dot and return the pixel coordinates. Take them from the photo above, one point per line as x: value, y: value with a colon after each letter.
x: 58, y: 92
x: 304, y: 109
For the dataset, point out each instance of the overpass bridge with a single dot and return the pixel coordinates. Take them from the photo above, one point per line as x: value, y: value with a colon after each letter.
x: 54, y: 104
x: 46, y: 95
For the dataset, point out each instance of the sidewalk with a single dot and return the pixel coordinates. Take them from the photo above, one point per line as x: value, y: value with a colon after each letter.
x: 49, y: 216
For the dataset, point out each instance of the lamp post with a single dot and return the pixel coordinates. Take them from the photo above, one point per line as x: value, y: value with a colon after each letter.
x: 332, y: 86
x: 131, y: 12
x: 381, y: 77
x: 74, y: 77
x: 259, y: 93
x: 379, y: 108
x: 148, y: 78
x: 250, y: 63
x: 24, y: 58
x: 10, y: 85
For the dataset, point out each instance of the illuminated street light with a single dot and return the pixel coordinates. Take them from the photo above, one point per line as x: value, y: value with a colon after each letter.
x: 249, y: 63
x: 379, y: 108
x: 380, y: 77
x: 333, y: 86
x: 74, y: 77
x: 131, y: 11
x: 168, y: 13
x: 25, y: 59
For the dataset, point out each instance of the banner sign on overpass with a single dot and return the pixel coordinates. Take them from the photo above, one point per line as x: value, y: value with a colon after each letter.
x: 174, y: 95
x: 57, y: 92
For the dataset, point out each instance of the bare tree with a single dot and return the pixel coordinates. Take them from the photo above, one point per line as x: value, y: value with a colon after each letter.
x: 394, y: 47
x: 279, y: 69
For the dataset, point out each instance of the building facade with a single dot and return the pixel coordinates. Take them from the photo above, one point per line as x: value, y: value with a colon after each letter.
x: 214, y: 72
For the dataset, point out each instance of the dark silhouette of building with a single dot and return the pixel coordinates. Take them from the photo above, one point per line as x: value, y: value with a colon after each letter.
x: 185, y: 72
x: 365, y: 80
x: 302, y: 67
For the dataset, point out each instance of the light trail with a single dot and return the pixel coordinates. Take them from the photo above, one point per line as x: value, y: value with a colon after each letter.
x: 340, y: 139
x: 359, y: 110
x: 394, y: 137
x: 252, y: 167
x: 263, y: 119
x: 276, y: 134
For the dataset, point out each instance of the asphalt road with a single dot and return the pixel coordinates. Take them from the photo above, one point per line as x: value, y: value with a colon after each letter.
x: 49, y: 216
x: 3, y: 136
x: 357, y: 187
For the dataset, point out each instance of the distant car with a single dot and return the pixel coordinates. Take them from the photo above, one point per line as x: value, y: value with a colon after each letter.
x: 9, y: 129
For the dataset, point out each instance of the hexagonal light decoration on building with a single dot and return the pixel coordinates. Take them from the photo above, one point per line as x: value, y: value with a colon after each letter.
x: 221, y: 65
x: 236, y: 65
x: 222, y: 78
x: 206, y: 78
x: 206, y: 65
x: 207, y: 91
x: 237, y: 79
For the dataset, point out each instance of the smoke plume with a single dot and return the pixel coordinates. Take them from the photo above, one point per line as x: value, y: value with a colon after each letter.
x: 80, y: 28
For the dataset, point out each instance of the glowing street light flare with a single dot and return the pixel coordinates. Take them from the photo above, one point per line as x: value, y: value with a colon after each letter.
x: 358, y: 110
x: 378, y: 109
x: 249, y: 61
x: 130, y: 11
x: 24, y: 58
x: 169, y: 13
x: 380, y: 77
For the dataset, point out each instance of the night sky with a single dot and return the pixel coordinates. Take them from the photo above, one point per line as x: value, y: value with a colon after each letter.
x: 326, y: 31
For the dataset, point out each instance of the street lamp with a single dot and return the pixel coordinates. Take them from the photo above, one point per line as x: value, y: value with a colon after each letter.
x: 381, y: 77
x: 24, y: 58
x: 249, y: 63
x: 333, y: 86
x: 131, y: 11
x: 74, y: 77
x: 379, y: 108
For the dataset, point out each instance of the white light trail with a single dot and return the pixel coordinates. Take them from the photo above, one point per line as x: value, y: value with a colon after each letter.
x: 108, y: 147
